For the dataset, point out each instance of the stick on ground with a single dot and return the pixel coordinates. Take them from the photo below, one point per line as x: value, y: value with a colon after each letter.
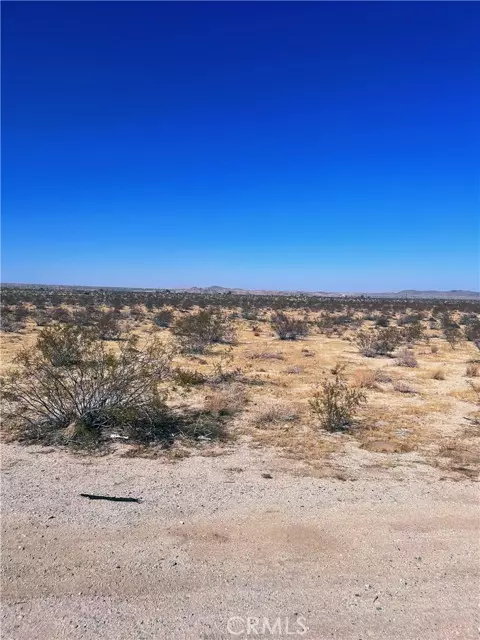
x: 91, y: 496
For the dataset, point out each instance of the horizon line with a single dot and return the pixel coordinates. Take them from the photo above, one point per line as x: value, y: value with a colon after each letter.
x: 243, y: 289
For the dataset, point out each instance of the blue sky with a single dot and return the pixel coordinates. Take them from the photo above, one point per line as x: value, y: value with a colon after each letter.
x: 317, y: 146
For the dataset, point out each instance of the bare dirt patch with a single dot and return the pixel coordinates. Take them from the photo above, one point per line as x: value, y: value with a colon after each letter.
x: 393, y: 554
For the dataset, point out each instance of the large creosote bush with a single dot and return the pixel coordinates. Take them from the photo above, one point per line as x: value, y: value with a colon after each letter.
x: 472, y: 331
x: 335, y: 403
x: 8, y: 322
x: 288, y: 328
x: 379, y: 342
x: 108, y: 325
x: 71, y: 385
x: 63, y: 344
x: 199, y: 330
x: 452, y: 335
x: 163, y: 318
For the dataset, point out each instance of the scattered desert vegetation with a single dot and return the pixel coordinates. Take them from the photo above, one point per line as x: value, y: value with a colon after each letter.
x: 96, y: 368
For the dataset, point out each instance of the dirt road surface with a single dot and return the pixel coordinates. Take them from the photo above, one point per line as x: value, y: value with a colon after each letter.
x: 383, y: 554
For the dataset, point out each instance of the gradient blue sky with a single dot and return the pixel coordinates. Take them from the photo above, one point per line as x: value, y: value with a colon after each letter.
x: 316, y: 146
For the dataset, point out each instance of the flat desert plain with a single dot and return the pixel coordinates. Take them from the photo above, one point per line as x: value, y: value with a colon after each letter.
x: 281, y: 530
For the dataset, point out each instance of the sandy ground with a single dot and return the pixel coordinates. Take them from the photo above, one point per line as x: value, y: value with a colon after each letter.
x: 389, y: 554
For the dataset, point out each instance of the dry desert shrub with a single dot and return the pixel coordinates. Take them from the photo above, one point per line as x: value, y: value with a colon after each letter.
x: 202, y: 425
x: 71, y: 387
x: 294, y: 369
x: 188, y: 377
x: 227, y: 399
x: 108, y: 325
x: 459, y: 456
x: 437, y: 374
x: 476, y: 390
x: 197, y: 331
x: 274, y: 411
x: 266, y: 355
x: 403, y: 387
x: 472, y: 370
x: 413, y: 332
x: 308, y: 353
x: 406, y: 358
x: 163, y: 318
x: 366, y: 378
x: 288, y: 328
x: 8, y: 324
x: 382, y: 321
x: 60, y: 314
x: 472, y: 331
x: 379, y: 342
x: 452, y: 335
x: 383, y: 376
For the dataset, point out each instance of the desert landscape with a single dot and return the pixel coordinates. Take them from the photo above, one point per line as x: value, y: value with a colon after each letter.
x: 296, y: 460
x: 240, y: 321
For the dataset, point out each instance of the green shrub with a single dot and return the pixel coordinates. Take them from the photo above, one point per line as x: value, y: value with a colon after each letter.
x: 472, y: 331
x: 413, y: 332
x: 326, y: 322
x: 334, y: 404
x: 382, y: 321
x: 59, y: 314
x: 288, y: 328
x: 452, y: 335
x: 64, y: 345
x: 42, y: 317
x: 409, y: 318
x: 199, y: 330
x: 163, y: 318
x: 70, y: 385
x: 379, y: 342
x: 9, y: 323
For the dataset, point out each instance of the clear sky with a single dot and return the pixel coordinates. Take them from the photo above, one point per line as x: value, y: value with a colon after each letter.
x: 317, y: 145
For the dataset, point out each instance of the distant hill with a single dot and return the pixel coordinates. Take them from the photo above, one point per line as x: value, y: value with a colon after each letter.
x: 453, y: 294
x: 405, y: 293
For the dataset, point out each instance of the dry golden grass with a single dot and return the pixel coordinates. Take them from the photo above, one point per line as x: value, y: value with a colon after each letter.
x: 403, y: 387
x: 425, y: 407
x: 401, y: 431
x: 470, y: 393
x: 461, y: 456
x: 298, y: 442
x: 437, y: 374
x: 366, y: 378
x: 274, y: 411
x: 266, y: 355
x: 228, y: 399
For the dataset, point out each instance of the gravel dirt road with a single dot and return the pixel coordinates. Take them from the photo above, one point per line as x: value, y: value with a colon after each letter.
x: 386, y: 554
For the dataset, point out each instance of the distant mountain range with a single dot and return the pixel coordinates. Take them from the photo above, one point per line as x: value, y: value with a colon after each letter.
x: 453, y: 293
x: 405, y: 293
x: 215, y: 289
